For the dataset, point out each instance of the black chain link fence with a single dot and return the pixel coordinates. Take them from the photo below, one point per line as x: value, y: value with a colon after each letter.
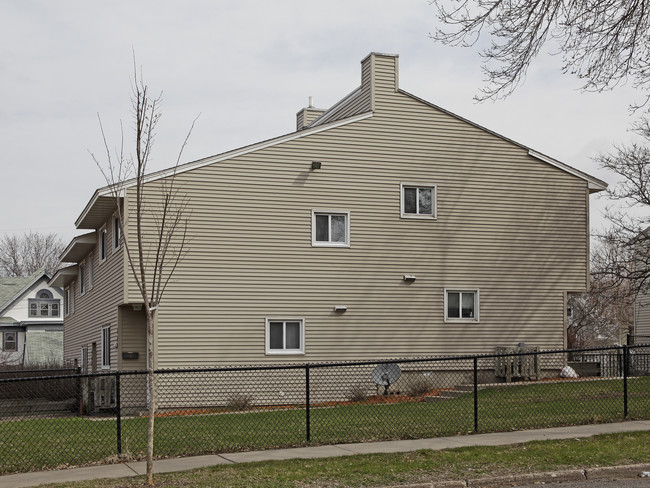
x: 60, y: 418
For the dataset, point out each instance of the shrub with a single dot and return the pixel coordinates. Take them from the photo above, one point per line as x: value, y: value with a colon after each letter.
x: 239, y: 401
x: 418, y: 385
x: 358, y: 393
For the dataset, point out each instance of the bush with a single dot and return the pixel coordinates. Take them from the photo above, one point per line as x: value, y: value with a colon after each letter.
x: 358, y: 393
x: 239, y: 401
x: 419, y: 385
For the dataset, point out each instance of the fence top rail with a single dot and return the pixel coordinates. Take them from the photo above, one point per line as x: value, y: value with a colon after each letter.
x: 48, y: 370
x: 609, y: 349
x: 68, y: 376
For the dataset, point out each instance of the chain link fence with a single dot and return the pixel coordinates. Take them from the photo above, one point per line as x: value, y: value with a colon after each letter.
x: 65, y: 418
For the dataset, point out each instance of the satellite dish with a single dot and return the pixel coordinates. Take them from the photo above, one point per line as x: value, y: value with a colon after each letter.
x: 386, y: 374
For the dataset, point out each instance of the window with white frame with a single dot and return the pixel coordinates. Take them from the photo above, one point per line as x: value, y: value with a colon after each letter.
x: 418, y: 200
x: 10, y: 341
x: 44, y: 305
x: 462, y: 305
x: 106, y: 347
x: 82, y: 278
x: 330, y: 228
x: 68, y: 299
x: 66, y: 302
x: 285, y: 336
x: 116, y: 233
x: 89, y: 261
x: 101, y: 243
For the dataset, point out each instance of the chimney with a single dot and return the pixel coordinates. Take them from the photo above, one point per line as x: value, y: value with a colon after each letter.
x: 307, y: 115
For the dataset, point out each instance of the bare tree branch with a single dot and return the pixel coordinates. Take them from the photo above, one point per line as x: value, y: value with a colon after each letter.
x: 603, y: 43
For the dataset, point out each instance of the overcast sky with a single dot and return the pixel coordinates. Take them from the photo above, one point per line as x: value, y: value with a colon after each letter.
x: 246, y: 67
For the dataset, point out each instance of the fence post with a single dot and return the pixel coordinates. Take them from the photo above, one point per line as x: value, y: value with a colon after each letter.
x: 475, y: 394
x: 118, y: 404
x: 626, y: 352
x: 307, y: 402
x: 79, y: 391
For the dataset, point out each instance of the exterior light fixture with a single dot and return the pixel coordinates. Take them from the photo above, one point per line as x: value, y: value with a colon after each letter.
x: 315, y: 165
x: 409, y: 278
x: 340, y: 308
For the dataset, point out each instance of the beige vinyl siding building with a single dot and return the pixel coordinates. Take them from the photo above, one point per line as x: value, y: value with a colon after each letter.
x: 642, y: 318
x: 494, y: 234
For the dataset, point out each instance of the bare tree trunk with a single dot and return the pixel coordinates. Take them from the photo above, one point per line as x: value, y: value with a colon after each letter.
x: 151, y: 394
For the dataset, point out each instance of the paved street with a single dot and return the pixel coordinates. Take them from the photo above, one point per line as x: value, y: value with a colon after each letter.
x: 634, y: 483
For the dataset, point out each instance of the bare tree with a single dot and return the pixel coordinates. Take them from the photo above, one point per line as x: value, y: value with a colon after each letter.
x: 628, y: 239
x: 602, y: 42
x: 26, y: 254
x: 161, y: 222
x: 605, y: 311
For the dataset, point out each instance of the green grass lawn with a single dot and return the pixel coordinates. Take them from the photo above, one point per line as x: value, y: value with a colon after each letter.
x: 36, y: 444
x: 406, y: 468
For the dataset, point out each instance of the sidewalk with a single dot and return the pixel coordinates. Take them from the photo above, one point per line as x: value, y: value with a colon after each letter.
x: 438, y: 443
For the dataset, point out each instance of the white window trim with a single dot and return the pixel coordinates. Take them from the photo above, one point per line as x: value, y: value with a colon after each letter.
x: 284, y: 352
x: 434, y: 201
x: 477, y: 305
x: 102, y: 232
x: 83, y: 284
x: 68, y: 300
x: 89, y: 281
x: 103, y: 348
x: 116, y: 229
x: 316, y: 243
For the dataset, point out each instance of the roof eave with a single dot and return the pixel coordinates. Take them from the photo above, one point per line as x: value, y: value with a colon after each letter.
x: 594, y: 184
x: 241, y: 151
x: 64, y: 276
x: 78, y: 246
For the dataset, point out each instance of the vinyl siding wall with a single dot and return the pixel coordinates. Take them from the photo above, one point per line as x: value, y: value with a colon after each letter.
x: 509, y: 225
x: 97, y: 308
x: 642, y: 316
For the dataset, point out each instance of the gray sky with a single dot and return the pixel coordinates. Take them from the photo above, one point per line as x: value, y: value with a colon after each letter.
x: 246, y: 67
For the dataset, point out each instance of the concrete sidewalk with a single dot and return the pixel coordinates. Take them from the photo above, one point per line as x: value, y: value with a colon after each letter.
x: 438, y: 443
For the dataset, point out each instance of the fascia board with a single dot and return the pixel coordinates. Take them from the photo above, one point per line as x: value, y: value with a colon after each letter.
x: 83, y: 238
x: 105, y: 191
x: 594, y: 184
x: 108, y: 190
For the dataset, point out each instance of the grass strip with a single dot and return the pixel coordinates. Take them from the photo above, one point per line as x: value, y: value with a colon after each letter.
x: 402, y: 468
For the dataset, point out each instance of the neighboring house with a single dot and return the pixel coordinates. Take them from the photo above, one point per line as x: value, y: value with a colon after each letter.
x: 31, y: 321
x: 384, y: 227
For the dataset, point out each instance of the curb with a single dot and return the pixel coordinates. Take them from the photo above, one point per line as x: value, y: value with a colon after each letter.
x: 604, y: 473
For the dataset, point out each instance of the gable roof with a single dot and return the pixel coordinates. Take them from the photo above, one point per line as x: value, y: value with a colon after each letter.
x: 354, y: 107
x: 13, y: 287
